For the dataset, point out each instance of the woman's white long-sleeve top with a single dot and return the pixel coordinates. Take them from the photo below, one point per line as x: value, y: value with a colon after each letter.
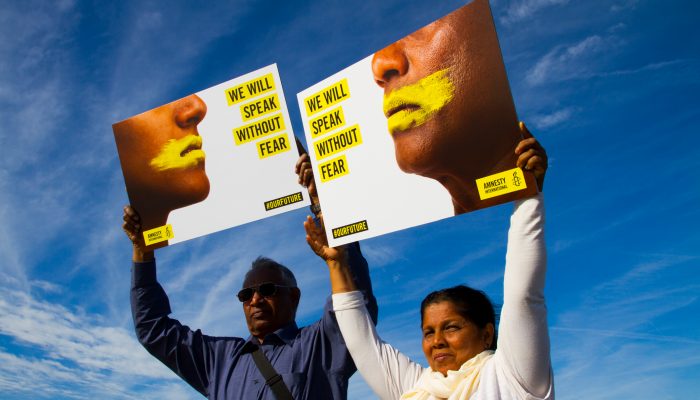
x: 520, y: 367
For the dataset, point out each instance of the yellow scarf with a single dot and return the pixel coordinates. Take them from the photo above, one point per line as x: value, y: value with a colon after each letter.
x: 457, y: 385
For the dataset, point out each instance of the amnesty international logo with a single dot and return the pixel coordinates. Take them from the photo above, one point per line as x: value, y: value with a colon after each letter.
x: 516, y: 179
x: 501, y: 183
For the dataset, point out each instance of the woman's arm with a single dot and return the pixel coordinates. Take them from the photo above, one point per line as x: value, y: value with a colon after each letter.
x: 388, y: 372
x: 385, y: 369
x: 523, y: 343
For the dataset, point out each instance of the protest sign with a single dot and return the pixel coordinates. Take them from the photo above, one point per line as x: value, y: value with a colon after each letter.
x: 216, y: 159
x: 421, y: 130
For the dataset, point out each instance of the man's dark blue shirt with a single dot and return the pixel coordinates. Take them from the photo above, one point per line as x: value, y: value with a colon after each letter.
x: 313, y: 361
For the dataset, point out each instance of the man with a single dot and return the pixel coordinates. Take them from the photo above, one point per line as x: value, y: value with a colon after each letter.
x: 312, y: 361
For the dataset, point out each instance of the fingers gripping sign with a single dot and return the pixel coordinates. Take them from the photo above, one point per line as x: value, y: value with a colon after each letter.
x: 133, y: 229
x: 532, y: 156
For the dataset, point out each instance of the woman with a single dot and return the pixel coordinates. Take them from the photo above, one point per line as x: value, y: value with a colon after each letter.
x: 458, y: 323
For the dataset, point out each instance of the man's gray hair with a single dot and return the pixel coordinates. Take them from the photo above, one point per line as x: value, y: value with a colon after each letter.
x: 264, y: 262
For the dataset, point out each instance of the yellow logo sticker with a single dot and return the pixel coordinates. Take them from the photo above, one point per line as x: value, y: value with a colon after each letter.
x: 501, y: 183
x: 327, y: 97
x: 157, y: 235
x: 250, y: 89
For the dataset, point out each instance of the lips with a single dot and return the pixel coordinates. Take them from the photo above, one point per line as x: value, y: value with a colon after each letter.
x: 441, y: 357
x: 180, y: 153
x: 407, y: 107
x: 195, y: 144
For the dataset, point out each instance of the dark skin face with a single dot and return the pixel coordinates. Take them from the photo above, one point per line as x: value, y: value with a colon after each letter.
x: 458, y: 143
x: 265, y: 315
x: 449, y: 339
x: 141, y: 138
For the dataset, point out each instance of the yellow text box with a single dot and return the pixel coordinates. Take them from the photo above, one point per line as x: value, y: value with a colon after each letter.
x: 258, y: 108
x: 343, y: 140
x: 334, y: 169
x: 283, y: 201
x: 250, y: 89
x: 159, y: 234
x: 327, y: 122
x: 264, y: 127
x: 272, y: 146
x: 501, y: 183
x: 327, y: 97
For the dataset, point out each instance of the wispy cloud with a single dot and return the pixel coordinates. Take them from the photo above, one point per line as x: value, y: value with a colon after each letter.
x: 77, y: 355
x: 565, y: 62
x: 522, y: 9
x: 555, y: 118
x: 606, y: 340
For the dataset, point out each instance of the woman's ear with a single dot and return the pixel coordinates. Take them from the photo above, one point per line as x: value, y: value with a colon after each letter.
x: 488, y: 335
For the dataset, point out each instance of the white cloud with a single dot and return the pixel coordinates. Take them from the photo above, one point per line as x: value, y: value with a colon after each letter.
x: 547, y: 121
x: 76, y: 355
x: 566, y: 62
x: 522, y: 9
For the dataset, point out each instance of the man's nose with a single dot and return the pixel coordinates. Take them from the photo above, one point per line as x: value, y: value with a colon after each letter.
x: 190, y: 111
x: 388, y: 63
x: 257, y: 298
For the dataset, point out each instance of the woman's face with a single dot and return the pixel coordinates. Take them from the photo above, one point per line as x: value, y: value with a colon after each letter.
x: 449, y: 340
x: 161, y: 153
x: 447, y: 99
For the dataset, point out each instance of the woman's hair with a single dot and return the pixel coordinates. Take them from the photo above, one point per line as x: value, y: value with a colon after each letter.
x: 470, y: 303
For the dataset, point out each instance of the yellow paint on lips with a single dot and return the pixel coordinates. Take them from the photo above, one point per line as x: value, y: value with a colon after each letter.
x: 171, y: 157
x: 429, y: 94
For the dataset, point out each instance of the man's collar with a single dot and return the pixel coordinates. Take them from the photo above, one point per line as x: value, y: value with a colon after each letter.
x: 286, y: 334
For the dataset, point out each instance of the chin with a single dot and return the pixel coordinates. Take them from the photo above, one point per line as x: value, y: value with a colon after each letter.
x: 187, y: 191
x: 415, y: 153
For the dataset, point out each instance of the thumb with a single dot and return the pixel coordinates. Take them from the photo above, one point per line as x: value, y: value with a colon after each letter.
x: 524, y: 131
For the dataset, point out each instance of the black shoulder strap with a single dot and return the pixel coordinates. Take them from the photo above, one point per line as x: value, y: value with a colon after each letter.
x: 272, y: 378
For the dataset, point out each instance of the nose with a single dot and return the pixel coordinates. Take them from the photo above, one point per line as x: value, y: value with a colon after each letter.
x: 438, y: 340
x: 190, y: 111
x: 388, y: 63
x: 257, y: 298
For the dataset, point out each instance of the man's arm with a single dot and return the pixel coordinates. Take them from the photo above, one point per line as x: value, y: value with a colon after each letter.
x: 189, y: 354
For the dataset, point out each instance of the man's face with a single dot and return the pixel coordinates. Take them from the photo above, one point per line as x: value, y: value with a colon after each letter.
x: 161, y: 153
x: 265, y: 315
x: 447, y: 99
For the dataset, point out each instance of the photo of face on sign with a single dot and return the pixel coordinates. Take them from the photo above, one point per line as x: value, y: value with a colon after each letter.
x: 162, y: 159
x: 448, y: 105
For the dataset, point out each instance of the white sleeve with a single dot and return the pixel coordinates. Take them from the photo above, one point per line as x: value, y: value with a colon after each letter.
x: 523, y: 341
x: 386, y: 370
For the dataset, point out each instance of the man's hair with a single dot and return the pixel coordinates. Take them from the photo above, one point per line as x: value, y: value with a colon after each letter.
x: 267, y: 263
x: 471, y: 304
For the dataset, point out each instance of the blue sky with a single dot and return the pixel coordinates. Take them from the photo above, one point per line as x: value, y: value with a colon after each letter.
x: 609, y: 87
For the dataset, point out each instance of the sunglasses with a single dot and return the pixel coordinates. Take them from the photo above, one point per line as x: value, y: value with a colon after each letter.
x: 265, y: 290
